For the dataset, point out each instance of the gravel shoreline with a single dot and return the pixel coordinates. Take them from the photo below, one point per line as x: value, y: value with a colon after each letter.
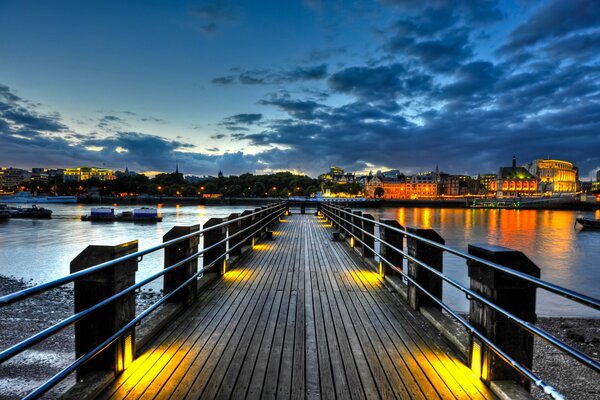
x: 33, y: 367
x: 28, y: 370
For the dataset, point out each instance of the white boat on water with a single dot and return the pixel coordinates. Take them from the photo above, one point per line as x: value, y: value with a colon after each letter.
x: 27, y: 198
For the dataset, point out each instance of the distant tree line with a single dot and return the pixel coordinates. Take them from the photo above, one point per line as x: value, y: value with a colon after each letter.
x: 281, y: 184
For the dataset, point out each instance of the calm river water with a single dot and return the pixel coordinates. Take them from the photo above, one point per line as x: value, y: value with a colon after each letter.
x: 41, y: 250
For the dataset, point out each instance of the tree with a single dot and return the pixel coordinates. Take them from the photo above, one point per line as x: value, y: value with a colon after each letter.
x: 378, y: 192
x: 259, y: 189
x: 234, y: 191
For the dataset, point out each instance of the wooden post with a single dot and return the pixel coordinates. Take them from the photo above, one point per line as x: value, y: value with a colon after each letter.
x: 357, y: 228
x: 302, y: 208
x: 256, y: 220
x: 233, y: 228
x: 100, y: 325
x: 174, y: 254
x: 263, y: 216
x: 395, y: 239
x: 431, y: 256
x: 513, y: 295
x: 215, y: 254
x: 245, y: 223
x: 347, y: 219
x: 369, y: 228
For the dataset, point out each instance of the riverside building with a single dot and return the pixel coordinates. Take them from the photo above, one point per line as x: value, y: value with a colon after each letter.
x: 514, y: 182
x: 556, y: 176
x: 84, y: 173
x: 11, y: 177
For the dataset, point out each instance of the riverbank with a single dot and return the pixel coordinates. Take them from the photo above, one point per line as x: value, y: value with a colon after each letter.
x: 573, y: 205
x: 32, y: 368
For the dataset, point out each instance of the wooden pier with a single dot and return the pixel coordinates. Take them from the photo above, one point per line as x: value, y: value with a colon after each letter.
x: 301, y: 316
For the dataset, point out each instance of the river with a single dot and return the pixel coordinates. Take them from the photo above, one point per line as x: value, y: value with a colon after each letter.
x: 41, y: 250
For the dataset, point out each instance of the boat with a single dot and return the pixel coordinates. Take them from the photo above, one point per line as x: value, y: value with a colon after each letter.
x: 29, y: 212
x: 26, y: 198
x: 107, y: 214
x: 144, y: 214
x: 587, y: 223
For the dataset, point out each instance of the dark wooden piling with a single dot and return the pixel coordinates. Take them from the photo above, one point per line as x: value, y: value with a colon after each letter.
x: 100, y: 325
x: 392, y: 238
x: 176, y: 253
x: 368, y: 236
x: 431, y: 256
x: 357, y: 228
x: 234, y: 239
x: 215, y: 256
x: 244, y: 224
x: 513, y: 295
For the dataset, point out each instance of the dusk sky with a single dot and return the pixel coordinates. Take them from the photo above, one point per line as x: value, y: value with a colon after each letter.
x: 259, y: 86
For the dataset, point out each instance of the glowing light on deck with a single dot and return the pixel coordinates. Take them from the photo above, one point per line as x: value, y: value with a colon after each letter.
x: 367, y: 277
x: 237, y: 275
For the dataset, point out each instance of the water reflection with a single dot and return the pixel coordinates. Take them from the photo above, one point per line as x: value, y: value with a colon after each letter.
x: 565, y: 255
x: 41, y: 250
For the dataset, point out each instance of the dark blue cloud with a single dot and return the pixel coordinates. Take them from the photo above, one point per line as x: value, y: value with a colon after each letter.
x: 215, y: 13
x: 272, y: 77
x: 554, y: 19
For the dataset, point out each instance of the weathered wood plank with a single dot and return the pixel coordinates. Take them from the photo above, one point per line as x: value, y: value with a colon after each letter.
x: 304, y: 317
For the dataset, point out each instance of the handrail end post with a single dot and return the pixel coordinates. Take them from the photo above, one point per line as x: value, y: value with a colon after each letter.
x: 514, y: 295
x: 101, y: 324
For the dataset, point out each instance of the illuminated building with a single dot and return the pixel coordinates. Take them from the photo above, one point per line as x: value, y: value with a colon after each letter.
x: 337, y: 175
x: 485, y: 182
x: 393, y: 188
x: 84, y: 173
x: 555, y: 176
x: 11, y: 177
x: 425, y: 185
x: 514, y: 181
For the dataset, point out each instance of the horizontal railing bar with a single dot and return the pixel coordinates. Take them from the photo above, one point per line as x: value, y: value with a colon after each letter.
x: 551, y: 287
x: 28, y: 292
x: 31, y: 341
x: 579, y: 356
x: 524, y: 371
x: 91, y: 354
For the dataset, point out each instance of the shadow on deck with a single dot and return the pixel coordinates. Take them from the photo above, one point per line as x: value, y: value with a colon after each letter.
x: 299, y: 317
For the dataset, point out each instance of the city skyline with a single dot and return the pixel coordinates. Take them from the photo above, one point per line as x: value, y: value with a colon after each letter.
x: 370, y: 85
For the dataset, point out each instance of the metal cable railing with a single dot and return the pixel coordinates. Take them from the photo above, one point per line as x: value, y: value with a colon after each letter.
x: 471, y: 295
x: 25, y: 293
x: 274, y: 212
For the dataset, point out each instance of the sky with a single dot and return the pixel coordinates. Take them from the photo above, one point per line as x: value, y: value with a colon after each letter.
x: 263, y: 86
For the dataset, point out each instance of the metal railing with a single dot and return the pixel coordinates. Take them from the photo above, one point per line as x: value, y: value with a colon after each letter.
x: 272, y: 213
x: 329, y: 211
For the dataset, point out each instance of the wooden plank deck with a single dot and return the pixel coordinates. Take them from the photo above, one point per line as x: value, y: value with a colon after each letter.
x: 300, y: 317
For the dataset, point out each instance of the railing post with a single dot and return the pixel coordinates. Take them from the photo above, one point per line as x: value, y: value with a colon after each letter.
x: 255, y: 220
x: 347, y: 219
x: 513, y: 295
x: 433, y: 257
x: 233, y: 229
x: 369, y: 229
x: 393, y: 238
x: 302, y: 208
x: 245, y: 223
x: 263, y: 215
x: 174, y: 254
x: 216, y: 254
x: 357, y: 228
x: 100, y: 325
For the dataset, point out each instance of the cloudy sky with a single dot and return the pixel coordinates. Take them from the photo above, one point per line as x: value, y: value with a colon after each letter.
x: 299, y: 85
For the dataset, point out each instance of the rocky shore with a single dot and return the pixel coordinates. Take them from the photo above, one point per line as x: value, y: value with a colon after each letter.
x: 28, y: 370
x: 33, y: 367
